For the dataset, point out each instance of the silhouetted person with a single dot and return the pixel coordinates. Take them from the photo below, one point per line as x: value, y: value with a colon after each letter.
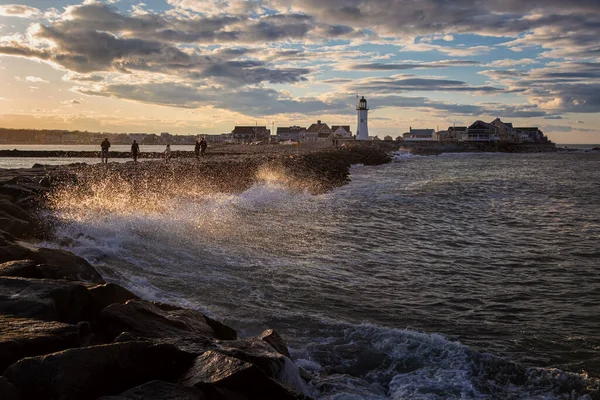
x: 168, y: 153
x: 135, y: 150
x: 197, y: 149
x: 105, y: 145
x: 203, y: 146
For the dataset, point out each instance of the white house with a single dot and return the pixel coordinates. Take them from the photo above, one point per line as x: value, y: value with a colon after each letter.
x: 294, y: 133
x: 505, y: 130
x: 419, y: 135
x: 479, y: 131
x: 341, y: 131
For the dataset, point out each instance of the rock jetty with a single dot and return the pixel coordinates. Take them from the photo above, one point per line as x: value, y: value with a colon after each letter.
x: 66, y: 334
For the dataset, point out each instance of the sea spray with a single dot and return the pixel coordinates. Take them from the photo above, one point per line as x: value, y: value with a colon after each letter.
x: 358, y: 280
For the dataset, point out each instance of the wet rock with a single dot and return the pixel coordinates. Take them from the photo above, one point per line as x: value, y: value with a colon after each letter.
x: 9, y: 208
x: 256, y: 352
x: 221, y: 330
x: 20, y: 337
x: 31, y: 269
x: 15, y: 226
x: 261, y: 354
x: 20, y: 268
x: 91, y: 372
x: 7, y: 390
x: 212, y: 371
x: 159, y: 390
x: 276, y: 341
x: 16, y: 191
x: 42, y: 299
x: 11, y: 252
x: 102, y: 296
x: 126, y: 337
x: 61, y: 264
x: 150, y: 320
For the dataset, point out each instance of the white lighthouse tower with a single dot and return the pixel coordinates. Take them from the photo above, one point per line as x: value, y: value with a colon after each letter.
x: 362, y: 130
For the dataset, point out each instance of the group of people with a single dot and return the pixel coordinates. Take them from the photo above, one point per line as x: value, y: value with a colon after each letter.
x: 199, y: 149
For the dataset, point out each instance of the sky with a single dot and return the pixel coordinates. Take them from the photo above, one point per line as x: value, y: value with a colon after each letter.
x: 204, y: 66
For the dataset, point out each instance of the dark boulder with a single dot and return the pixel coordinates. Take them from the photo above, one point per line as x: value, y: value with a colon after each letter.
x: 16, y: 191
x: 11, y: 252
x: 20, y: 337
x: 7, y: 390
x: 262, y: 355
x: 43, y: 299
x: 102, y: 296
x: 276, y: 341
x: 16, y: 226
x: 91, y: 372
x: 256, y: 352
x: 159, y: 390
x: 9, y: 208
x: 155, y: 321
x: 213, y: 371
x: 20, y: 268
x: 61, y: 264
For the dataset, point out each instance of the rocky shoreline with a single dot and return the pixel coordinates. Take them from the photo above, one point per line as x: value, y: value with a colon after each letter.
x: 65, y: 333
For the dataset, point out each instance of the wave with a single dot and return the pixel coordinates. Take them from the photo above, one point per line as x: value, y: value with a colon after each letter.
x: 372, y: 362
x: 227, y: 254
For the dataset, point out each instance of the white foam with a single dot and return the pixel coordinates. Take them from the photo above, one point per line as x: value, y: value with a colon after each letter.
x: 401, y: 155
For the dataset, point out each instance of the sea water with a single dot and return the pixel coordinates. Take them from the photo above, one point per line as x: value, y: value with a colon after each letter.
x: 463, y: 276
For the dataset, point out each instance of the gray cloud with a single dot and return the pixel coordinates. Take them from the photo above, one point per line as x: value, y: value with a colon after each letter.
x: 400, y: 83
x: 401, y: 67
x: 249, y: 101
x: 18, y: 10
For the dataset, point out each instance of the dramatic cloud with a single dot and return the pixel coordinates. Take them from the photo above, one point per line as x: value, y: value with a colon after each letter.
x: 402, y: 83
x: 306, y: 57
x: 251, y: 101
x: 400, y: 67
x: 20, y: 11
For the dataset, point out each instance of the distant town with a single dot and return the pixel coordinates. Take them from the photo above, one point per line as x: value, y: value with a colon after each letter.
x: 479, y: 131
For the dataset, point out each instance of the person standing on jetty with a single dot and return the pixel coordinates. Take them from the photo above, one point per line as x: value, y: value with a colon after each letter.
x: 135, y: 150
x: 203, y: 146
x: 168, y: 153
x: 105, y: 145
x: 197, y: 149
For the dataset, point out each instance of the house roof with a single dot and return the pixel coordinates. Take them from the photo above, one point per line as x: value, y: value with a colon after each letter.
x: 248, y: 130
x: 290, y: 129
x: 336, y: 127
x: 421, y: 132
x: 457, y: 129
x: 482, y: 124
x: 316, y: 128
x: 509, y: 124
x: 528, y: 128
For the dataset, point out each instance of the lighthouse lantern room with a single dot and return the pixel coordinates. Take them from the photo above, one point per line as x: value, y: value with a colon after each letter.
x: 362, y: 129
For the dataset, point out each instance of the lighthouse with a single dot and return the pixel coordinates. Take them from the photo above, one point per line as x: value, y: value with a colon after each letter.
x: 362, y: 130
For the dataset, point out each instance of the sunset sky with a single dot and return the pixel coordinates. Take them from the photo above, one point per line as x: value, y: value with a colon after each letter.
x: 203, y: 66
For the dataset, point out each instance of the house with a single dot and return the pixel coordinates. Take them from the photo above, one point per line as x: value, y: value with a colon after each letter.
x: 342, y: 131
x: 419, y: 135
x: 294, y: 133
x: 505, y: 130
x: 480, y: 131
x: 318, y: 131
x: 245, y: 134
x: 532, y: 134
x: 455, y: 131
x: 442, y: 136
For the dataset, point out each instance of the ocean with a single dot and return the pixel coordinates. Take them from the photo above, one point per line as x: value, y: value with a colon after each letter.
x: 461, y: 276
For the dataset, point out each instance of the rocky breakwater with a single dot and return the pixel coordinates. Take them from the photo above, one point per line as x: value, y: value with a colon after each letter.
x: 65, y: 333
